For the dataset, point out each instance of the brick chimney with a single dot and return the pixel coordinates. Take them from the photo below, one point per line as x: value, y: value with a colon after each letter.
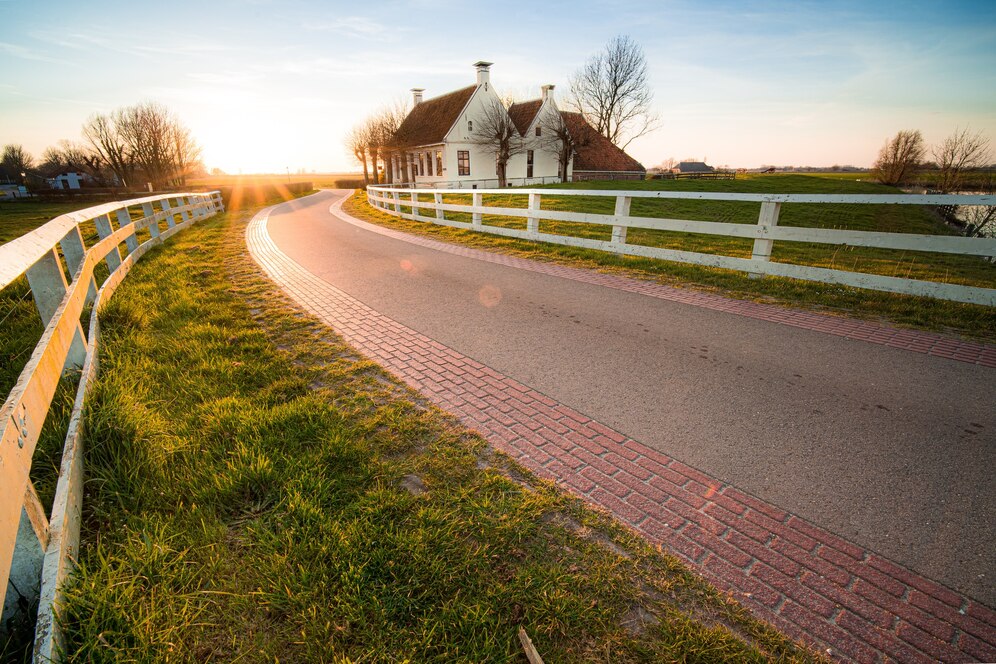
x: 546, y: 90
x: 483, y: 72
x: 417, y: 95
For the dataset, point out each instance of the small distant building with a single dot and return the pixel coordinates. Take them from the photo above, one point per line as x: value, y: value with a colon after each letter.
x: 8, y: 191
x: 68, y: 180
x: 693, y: 167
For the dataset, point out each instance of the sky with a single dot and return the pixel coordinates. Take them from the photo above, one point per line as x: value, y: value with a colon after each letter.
x: 274, y: 85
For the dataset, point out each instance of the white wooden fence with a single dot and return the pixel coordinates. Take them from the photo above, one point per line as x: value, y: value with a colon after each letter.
x: 764, y: 233
x: 36, y: 552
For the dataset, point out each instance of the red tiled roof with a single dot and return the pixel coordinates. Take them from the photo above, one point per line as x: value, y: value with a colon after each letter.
x: 429, y: 121
x: 523, y: 112
x: 594, y: 152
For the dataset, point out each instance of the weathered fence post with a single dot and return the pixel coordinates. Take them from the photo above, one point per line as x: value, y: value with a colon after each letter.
x: 165, y: 204
x: 24, y: 582
x: 104, y: 229
x: 148, y: 211
x: 48, y: 287
x: 765, y: 222
x: 477, y: 219
x: 397, y: 203
x: 124, y: 218
x: 414, y: 197
x: 74, y: 251
x: 532, y: 223
x: 622, y: 210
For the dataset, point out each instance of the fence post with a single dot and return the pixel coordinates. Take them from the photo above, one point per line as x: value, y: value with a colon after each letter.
x: 104, y: 229
x: 150, y: 211
x: 438, y: 198
x: 622, y: 210
x: 29, y: 556
x: 48, y: 286
x: 477, y: 220
x: 75, y: 251
x: 397, y: 203
x: 124, y: 218
x: 762, y: 245
x: 414, y: 197
x: 532, y: 223
x: 165, y: 204
x: 184, y: 214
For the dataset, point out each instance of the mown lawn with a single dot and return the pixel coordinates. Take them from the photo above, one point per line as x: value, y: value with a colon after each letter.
x: 257, y: 492
x: 968, y: 320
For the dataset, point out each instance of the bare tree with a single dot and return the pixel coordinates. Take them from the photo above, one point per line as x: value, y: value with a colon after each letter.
x: 495, y: 131
x: 160, y: 144
x: 564, y: 134
x: 356, y: 142
x: 147, y: 132
x: 668, y: 165
x: 612, y: 92
x: 185, y: 153
x: 386, y: 124
x: 900, y: 157
x: 960, y: 152
x: 15, y: 161
x: 102, y: 133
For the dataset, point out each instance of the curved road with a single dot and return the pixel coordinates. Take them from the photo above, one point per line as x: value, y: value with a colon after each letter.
x: 890, y: 449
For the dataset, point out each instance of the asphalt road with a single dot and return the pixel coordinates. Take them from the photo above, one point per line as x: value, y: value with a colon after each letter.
x: 890, y: 449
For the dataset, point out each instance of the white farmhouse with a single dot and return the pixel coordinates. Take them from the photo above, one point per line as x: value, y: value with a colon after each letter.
x: 435, y: 145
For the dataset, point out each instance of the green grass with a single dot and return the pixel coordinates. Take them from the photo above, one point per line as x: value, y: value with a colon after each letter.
x: 245, y: 502
x: 919, y: 312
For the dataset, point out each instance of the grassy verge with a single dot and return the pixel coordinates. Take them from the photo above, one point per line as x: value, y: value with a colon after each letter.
x: 257, y: 492
x: 919, y: 312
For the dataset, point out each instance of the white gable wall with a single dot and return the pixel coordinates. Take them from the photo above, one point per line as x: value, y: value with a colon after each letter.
x: 545, y: 163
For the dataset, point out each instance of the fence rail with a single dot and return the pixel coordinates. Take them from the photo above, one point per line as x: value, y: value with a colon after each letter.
x: 764, y: 233
x: 36, y: 551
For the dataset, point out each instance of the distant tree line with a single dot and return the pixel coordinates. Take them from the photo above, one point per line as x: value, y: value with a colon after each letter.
x: 904, y: 157
x: 129, y: 147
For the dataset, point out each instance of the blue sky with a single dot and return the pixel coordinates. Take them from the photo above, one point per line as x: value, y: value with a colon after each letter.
x: 268, y: 85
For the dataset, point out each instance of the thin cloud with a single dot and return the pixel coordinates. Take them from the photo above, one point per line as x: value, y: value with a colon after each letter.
x: 354, y: 26
x: 25, y: 53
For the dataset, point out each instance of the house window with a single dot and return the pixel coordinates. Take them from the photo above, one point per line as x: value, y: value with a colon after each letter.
x: 529, y: 163
x: 470, y: 126
x: 538, y: 131
x: 463, y: 162
x: 428, y: 156
x: 439, y: 162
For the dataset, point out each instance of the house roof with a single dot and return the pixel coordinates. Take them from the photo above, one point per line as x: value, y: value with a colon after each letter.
x: 523, y: 112
x: 429, y: 122
x: 694, y: 167
x: 594, y: 152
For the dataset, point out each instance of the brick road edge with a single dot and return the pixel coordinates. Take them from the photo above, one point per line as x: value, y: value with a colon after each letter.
x: 808, y: 582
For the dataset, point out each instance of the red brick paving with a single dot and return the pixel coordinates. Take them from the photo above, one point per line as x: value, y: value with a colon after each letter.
x: 806, y: 581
